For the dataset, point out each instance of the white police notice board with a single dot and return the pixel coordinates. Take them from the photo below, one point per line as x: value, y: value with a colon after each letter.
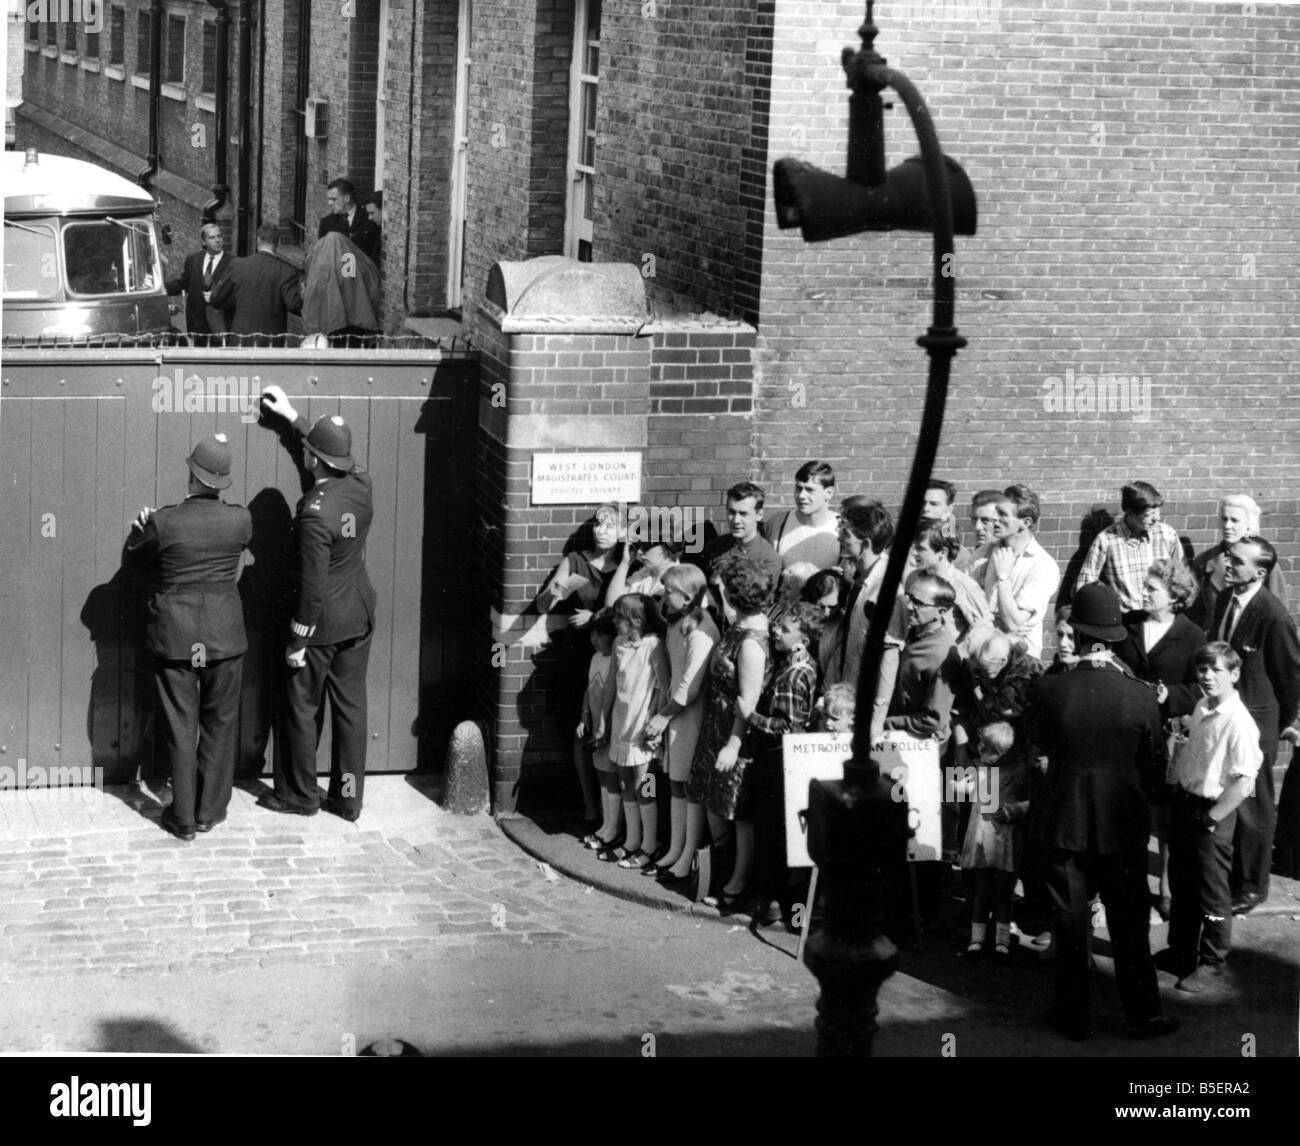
x: 586, y: 479
x: 911, y: 766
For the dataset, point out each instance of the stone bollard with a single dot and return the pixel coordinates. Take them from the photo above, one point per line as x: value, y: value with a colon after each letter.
x: 467, y: 770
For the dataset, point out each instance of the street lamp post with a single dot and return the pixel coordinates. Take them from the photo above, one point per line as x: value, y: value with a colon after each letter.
x: 856, y: 831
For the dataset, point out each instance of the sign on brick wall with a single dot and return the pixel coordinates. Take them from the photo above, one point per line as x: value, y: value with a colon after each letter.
x: 586, y: 479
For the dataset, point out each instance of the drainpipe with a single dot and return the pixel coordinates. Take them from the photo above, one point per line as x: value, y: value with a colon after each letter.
x: 244, y: 210
x: 155, y: 89
x: 220, y: 189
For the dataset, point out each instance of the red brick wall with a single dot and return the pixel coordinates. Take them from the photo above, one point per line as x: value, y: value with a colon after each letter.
x: 682, y: 121
x: 1137, y: 218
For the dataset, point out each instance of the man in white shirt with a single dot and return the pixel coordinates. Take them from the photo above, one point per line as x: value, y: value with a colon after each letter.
x: 810, y: 531
x: 1020, y: 577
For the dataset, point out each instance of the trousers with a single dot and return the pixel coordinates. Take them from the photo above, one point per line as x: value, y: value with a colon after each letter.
x: 1122, y: 881
x: 199, y: 731
x: 1252, y: 841
x: 1200, y: 915
x: 337, y: 673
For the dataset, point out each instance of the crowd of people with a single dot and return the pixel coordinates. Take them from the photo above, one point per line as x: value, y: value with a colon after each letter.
x: 247, y: 301
x: 1159, y: 710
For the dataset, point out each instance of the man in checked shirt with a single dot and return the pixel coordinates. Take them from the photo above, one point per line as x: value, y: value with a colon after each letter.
x: 329, y: 639
x: 1122, y: 553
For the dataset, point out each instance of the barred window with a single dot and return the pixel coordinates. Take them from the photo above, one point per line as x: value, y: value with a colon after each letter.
x: 142, y: 43
x: 70, y: 37
x: 51, y: 33
x: 117, y: 35
x: 34, y: 31
x: 91, y: 47
x: 174, y: 61
x: 209, y: 82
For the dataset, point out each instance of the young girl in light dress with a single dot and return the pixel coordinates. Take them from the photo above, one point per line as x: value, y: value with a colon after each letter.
x: 633, y: 693
x: 990, y: 852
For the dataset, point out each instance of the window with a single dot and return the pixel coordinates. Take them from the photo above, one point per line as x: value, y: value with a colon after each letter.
x: 142, y: 43
x: 31, y: 261
x: 91, y: 48
x: 51, y: 33
x: 34, y: 31
x: 582, y: 130
x: 117, y: 36
x: 209, y: 81
x: 110, y: 257
x: 174, y: 55
x: 70, y: 37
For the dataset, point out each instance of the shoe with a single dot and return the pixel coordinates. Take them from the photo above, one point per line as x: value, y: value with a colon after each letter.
x: 181, y: 831
x: 769, y: 912
x: 1246, y: 902
x: 1153, y: 1028
x: 654, y: 869
x: 208, y: 825
x: 615, y: 854
x: 1204, y: 978
x: 335, y: 808
x: 974, y: 953
x: 1001, y: 956
x: 636, y: 859
x: 272, y: 803
x: 728, y: 903
x: 1075, y: 1034
x: 683, y: 883
x: 593, y: 842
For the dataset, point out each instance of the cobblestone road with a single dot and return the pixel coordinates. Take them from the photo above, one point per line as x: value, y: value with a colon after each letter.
x: 98, y: 886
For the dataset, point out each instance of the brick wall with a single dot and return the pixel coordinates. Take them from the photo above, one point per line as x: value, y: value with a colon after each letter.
x: 518, y: 128
x: 1137, y: 219
x: 682, y: 125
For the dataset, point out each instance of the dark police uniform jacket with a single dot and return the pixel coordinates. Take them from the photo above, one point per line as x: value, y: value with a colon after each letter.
x: 192, y: 551
x: 336, y: 601
x: 1100, y: 730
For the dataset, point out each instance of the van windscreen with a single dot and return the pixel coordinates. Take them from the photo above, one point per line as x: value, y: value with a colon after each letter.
x: 110, y: 257
x: 31, y: 261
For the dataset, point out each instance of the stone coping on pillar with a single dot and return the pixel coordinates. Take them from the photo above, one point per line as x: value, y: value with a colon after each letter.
x: 625, y: 325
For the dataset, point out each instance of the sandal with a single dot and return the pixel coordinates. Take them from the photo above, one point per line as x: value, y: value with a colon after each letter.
x: 641, y: 859
x: 614, y: 854
x: 658, y: 866
x: 593, y: 842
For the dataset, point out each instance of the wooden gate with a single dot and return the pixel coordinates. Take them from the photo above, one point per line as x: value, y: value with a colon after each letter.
x: 89, y: 437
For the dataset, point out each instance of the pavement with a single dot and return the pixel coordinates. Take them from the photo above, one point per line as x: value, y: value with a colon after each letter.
x: 468, y: 935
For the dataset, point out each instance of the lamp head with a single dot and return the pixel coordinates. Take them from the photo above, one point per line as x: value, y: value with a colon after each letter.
x: 826, y: 206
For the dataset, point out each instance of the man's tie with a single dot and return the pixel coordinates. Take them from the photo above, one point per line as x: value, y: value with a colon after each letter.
x: 1230, y: 618
x: 207, y: 273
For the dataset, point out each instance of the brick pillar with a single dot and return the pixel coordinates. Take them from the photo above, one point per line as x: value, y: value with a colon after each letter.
x: 558, y: 376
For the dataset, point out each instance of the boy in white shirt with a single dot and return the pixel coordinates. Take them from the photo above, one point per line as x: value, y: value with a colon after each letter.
x: 1213, y: 771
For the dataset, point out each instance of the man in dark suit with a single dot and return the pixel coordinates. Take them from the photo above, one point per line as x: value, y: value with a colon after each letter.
x: 329, y: 642
x: 1100, y: 731
x: 196, y: 634
x: 263, y: 290
x: 1255, y: 623
x: 202, y: 270
x: 357, y: 225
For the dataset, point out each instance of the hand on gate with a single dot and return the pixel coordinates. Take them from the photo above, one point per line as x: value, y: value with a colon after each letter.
x: 296, y: 658
x: 142, y: 518
x: 277, y: 402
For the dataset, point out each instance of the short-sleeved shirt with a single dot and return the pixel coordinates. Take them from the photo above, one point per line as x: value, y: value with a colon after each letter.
x: 1222, y: 746
x: 816, y: 544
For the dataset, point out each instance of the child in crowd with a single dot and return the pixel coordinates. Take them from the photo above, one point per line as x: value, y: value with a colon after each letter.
x: 790, y: 589
x: 690, y: 640
x: 1212, y: 771
x: 785, y: 706
x: 838, y: 706
x: 990, y: 849
x: 633, y: 692
x: 602, y: 641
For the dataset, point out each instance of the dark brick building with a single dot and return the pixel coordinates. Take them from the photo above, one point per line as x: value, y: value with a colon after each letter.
x: 1134, y: 162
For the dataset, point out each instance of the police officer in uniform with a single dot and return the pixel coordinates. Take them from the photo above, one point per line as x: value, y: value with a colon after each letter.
x: 196, y: 634
x: 1100, y: 730
x: 329, y: 641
